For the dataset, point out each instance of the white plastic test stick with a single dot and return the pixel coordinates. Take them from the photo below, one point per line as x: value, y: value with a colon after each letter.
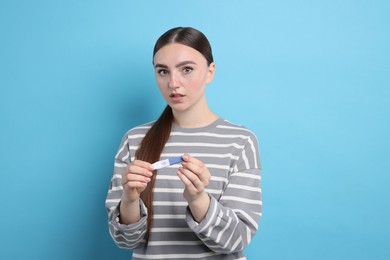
x: 167, y: 162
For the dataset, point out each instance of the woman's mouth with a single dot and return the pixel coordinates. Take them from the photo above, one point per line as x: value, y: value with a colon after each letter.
x: 176, y: 97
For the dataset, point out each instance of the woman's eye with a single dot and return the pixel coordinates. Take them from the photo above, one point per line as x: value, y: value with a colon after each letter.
x: 187, y: 70
x: 162, y: 72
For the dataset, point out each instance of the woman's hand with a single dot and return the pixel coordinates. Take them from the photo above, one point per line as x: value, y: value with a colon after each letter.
x: 196, y: 177
x: 135, y: 179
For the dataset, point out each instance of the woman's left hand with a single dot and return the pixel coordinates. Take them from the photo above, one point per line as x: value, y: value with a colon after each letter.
x: 196, y: 177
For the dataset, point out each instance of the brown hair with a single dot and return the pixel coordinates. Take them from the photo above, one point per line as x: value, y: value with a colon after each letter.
x: 155, y: 139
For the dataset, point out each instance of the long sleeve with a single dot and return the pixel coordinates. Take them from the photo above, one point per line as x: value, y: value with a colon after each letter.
x: 125, y: 236
x: 232, y: 220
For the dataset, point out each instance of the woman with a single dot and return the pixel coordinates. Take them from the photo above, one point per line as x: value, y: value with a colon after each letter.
x: 207, y: 207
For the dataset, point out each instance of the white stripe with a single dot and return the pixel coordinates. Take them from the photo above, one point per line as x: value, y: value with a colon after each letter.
x: 113, y: 200
x: 215, y: 192
x: 168, y: 190
x: 227, y: 225
x: 116, y: 188
x: 221, y: 179
x: 170, y: 203
x: 227, y: 243
x: 124, y: 158
x: 253, y: 148
x: 120, y: 244
x: 231, y: 235
x: 169, y: 216
x: 167, y: 177
x: 125, y: 245
x: 247, y: 217
x: 246, y: 175
x: 234, y: 198
x: 177, y: 256
x: 216, y: 224
x: 245, y: 159
x: 212, y: 216
x: 145, y: 126
x: 133, y: 147
x: 122, y: 148
x: 204, y: 155
x: 181, y: 190
x: 170, y: 229
x: 248, y: 235
x: 235, y: 127
x: 174, y: 243
x: 218, y: 166
x: 244, y: 187
x: 209, y: 134
x: 205, y: 145
x: 116, y: 176
x: 120, y: 165
x: 176, y: 178
x: 126, y: 235
x: 250, y: 139
x: 235, y: 245
x: 135, y: 136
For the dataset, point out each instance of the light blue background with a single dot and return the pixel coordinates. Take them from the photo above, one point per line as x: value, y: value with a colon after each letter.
x: 310, y: 78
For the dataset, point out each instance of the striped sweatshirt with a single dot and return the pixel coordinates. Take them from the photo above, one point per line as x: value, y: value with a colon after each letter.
x: 231, y: 154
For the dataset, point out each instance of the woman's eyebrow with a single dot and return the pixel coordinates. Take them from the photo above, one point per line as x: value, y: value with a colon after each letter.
x: 160, y: 66
x: 186, y: 62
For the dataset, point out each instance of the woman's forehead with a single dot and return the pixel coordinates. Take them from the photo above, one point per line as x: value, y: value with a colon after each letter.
x: 176, y: 53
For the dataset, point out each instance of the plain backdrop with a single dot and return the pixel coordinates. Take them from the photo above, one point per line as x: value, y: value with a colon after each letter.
x: 310, y: 78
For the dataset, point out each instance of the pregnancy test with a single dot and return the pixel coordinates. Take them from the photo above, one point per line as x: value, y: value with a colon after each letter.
x: 167, y: 162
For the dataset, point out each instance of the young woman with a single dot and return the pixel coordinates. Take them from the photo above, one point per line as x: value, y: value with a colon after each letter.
x: 209, y: 205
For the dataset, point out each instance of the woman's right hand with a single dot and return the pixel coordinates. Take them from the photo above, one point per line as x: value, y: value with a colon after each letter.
x: 135, y: 179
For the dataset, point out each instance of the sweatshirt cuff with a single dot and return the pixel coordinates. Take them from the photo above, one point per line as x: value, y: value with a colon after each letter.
x: 207, y: 220
x: 133, y: 226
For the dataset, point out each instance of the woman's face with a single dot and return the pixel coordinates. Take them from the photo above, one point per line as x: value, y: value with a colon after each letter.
x: 182, y: 74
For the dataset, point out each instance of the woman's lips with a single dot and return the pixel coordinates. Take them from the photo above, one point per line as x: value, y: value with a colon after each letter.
x: 176, y: 97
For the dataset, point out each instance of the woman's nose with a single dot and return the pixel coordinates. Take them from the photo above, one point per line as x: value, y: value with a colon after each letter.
x: 173, y: 81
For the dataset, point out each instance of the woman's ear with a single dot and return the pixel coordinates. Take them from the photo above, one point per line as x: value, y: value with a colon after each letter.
x: 210, y: 73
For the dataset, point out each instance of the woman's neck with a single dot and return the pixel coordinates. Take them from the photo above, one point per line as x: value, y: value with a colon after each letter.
x: 188, y: 119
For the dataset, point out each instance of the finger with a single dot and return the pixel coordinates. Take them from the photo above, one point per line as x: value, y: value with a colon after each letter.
x: 135, y: 178
x: 143, y: 164
x: 192, y: 178
x: 136, y: 169
x: 184, y: 179
x: 136, y: 184
x: 187, y: 158
x: 196, y: 168
x: 202, y: 174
